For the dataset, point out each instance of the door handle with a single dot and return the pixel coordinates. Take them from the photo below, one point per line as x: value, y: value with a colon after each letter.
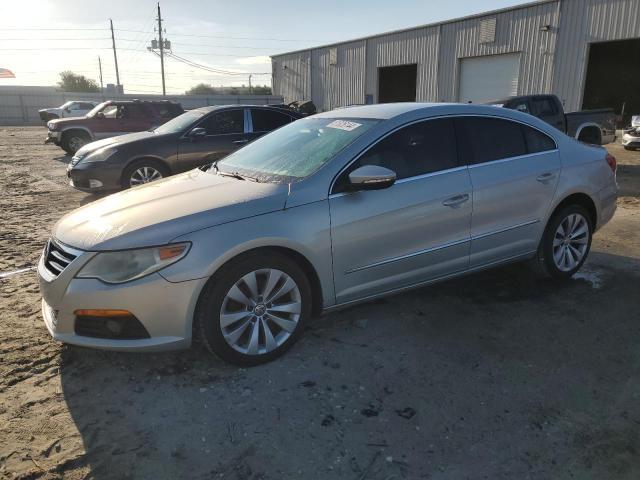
x: 546, y: 177
x: 239, y: 142
x: 455, y: 202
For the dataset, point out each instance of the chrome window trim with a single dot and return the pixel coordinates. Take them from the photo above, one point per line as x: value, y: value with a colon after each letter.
x: 509, y: 159
x: 452, y: 116
x: 410, y: 179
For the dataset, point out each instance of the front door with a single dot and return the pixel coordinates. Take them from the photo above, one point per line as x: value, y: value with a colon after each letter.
x: 225, y: 133
x: 411, y: 232
x: 514, y: 171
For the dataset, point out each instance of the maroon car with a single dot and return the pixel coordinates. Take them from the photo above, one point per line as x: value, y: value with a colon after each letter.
x: 109, y: 119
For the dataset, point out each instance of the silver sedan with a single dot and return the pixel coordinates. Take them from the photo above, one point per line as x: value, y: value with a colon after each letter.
x: 331, y: 210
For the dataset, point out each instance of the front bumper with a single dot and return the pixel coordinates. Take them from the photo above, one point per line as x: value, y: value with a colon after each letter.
x: 165, y: 309
x: 53, y: 137
x: 106, y: 177
x: 630, y: 141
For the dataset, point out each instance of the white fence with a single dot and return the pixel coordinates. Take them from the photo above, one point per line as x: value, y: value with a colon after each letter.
x: 20, y: 106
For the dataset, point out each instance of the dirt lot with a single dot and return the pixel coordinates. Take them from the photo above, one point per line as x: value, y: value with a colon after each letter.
x: 497, y: 376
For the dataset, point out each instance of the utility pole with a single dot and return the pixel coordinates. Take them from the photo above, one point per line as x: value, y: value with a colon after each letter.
x: 100, y: 68
x: 250, y: 90
x: 115, y: 55
x: 161, y: 44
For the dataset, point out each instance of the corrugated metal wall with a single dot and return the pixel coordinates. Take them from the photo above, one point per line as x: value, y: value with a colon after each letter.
x: 418, y: 46
x: 551, y: 61
x: 291, y: 75
x: 340, y: 84
x: 517, y: 30
x: 583, y: 22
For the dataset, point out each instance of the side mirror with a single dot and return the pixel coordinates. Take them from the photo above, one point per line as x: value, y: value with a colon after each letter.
x: 197, y: 133
x: 371, y: 177
x: 99, y: 115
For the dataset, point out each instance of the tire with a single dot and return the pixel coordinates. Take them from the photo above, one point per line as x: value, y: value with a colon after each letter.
x: 550, y: 258
x: 143, y: 171
x: 73, y: 140
x: 231, y: 338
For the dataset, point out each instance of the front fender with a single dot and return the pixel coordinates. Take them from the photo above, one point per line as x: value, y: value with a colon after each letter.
x: 304, y: 229
x: 77, y: 127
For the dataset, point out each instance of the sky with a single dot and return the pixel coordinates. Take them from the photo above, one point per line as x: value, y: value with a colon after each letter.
x: 41, y: 38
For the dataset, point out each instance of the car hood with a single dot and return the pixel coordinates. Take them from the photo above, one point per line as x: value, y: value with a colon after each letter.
x: 156, y: 213
x: 114, y: 141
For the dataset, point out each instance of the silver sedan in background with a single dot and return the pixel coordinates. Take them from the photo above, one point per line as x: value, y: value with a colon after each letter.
x: 330, y: 210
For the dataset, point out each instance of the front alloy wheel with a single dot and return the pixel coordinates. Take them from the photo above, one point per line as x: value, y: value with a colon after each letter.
x: 260, y: 311
x: 144, y: 174
x: 254, y: 308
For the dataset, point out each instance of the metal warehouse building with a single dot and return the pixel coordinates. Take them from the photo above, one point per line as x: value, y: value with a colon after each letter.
x: 585, y: 51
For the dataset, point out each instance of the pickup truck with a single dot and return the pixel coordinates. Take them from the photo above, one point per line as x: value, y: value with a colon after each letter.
x: 109, y: 119
x: 68, y: 109
x: 596, y: 127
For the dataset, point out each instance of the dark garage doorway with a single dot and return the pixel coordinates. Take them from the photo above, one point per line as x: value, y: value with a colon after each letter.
x: 397, y: 84
x: 613, y: 77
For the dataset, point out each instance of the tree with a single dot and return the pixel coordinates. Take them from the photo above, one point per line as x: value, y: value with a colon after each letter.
x: 71, y: 82
x: 202, y: 89
x: 261, y: 90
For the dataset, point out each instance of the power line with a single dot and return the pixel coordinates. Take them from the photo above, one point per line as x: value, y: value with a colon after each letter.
x: 235, y: 37
x: 211, y: 69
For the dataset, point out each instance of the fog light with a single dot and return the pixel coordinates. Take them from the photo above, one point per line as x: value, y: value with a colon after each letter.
x: 93, y: 183
x: 114, y: 326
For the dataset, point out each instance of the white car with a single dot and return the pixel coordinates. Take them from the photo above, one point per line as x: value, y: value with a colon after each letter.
x: 69, y: 109
x: 631, y: 137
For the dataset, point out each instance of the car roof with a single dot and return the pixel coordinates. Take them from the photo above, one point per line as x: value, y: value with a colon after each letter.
x: 239, y: 105
x: 388, y: 111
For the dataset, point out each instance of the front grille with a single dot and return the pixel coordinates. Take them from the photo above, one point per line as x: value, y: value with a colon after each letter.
x: 58, y: 257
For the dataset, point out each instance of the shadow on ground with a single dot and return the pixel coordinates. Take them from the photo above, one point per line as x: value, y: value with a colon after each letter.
x: 496, y: 375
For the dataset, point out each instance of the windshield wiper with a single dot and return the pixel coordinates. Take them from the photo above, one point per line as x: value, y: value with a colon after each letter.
x: 236, y: 175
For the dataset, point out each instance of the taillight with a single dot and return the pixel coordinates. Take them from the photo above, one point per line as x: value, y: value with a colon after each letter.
x: 613, y: 163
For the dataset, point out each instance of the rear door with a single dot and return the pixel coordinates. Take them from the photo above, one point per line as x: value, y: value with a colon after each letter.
x: 514, y: 171
x: 413, y: 231
x: 264, y: 120
x: 225, y: 132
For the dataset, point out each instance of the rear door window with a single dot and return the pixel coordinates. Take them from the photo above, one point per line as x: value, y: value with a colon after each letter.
x: 224, y: 123
x: 537, y: 141
x: 265, y: 120
x: 488, y: 139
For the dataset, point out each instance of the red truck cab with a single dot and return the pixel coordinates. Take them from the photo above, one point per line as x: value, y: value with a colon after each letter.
x: 108, y: 119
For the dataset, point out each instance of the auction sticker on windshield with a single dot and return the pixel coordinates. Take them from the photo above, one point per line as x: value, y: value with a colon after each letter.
x: 344, y: 125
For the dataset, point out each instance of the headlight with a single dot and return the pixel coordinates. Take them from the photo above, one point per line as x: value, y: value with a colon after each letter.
x: 126, y: 265
x: 99, y: 155
x: 51, y: 126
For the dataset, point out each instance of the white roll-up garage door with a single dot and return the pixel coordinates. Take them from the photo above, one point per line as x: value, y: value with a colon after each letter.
x: 493, y: 77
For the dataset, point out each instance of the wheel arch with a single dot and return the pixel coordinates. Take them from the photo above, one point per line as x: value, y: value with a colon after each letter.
x: 590, y: 128
x: 582, y: 199
x: 301, y: 260
x: 67, y: 130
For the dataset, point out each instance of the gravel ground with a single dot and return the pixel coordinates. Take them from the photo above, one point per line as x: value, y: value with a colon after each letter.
x: 499, y: 375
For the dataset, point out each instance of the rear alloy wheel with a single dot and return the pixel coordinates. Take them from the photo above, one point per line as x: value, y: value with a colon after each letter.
x: 253, y: 310
x: 566, y: 242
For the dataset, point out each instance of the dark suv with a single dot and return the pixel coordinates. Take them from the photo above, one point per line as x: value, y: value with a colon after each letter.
x: 195, y: 138
x: 109, y: 119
